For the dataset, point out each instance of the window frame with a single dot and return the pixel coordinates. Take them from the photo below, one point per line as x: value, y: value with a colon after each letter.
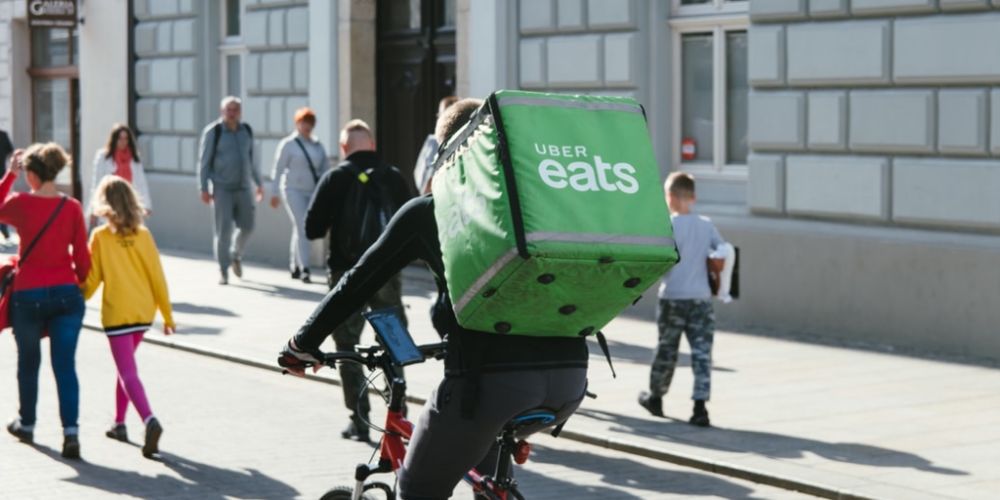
x: 725, y: 18
x: 711, y: 8
x: 232, y: 46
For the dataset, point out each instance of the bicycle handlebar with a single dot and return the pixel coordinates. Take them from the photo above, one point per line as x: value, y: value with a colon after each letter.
x: 372, y: 356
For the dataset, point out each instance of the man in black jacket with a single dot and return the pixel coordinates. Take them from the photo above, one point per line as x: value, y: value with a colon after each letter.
x: 354, y: 202
x: 489, y: 377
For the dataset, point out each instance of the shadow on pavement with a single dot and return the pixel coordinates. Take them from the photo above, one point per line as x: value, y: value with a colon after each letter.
x: 278, y: 290
x: 764, y: 443
x: 189, y: 308
x: 621, y: 472
x: 183, y: 329
x: 203, y: 481
x: 632, y: 353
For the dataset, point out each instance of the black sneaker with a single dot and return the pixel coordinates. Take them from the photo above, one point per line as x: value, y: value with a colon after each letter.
x: 118, y: 433
x: 25, y: 436
x: 652, y: 404
x: 356, y: 430
x: 71, y: 447
x: 153, y: 433
x: 306, y: 278
x: 237, y: 267
x: 296, y: 273
x: 700, y: 416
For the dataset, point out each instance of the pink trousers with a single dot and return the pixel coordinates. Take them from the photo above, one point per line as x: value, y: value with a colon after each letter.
x: 129, y: 387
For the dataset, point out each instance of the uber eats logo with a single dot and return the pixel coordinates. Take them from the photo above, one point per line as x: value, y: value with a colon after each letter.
x: 568, y: 166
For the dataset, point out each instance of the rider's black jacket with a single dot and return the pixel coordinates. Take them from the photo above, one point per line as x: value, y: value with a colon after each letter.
x: 412, y: 235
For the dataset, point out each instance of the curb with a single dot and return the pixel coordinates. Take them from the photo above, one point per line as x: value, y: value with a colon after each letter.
x: 682, y: 459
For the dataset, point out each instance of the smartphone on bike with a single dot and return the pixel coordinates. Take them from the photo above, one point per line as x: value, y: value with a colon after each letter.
x: 394, y: 336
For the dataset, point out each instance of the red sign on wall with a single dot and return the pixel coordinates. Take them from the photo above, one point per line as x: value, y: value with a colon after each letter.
x: 52, y: 14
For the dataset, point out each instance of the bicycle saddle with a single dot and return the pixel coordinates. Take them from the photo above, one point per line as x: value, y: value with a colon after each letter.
x: 535, y: 419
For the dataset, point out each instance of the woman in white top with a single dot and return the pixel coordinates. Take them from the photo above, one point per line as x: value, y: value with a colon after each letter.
x: 120, y: 157
x: 299, y: 162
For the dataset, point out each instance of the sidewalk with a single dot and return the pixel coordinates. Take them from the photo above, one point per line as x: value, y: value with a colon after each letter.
x: 831, y: 421
x: 238, y: 432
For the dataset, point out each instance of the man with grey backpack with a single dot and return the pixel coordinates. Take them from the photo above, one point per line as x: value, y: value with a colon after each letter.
x: 226, y: 162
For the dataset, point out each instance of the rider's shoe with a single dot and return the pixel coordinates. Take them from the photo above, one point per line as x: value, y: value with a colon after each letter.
x: 357, y: 430
x: 292, y: 357
x: 652, y: 404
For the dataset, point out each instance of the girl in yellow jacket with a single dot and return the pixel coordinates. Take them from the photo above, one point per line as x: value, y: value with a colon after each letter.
x: 125, y: 259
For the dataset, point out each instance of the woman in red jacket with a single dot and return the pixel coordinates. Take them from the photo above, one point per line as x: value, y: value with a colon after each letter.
x: 47, y: 295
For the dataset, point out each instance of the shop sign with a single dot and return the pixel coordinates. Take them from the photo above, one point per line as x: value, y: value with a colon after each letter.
x: 52, y: 14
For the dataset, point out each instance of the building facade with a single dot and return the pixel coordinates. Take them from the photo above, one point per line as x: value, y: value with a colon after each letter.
x: 850, y: 148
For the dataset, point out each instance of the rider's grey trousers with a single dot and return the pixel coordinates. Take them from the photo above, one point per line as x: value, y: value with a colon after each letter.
x: 445, y: 445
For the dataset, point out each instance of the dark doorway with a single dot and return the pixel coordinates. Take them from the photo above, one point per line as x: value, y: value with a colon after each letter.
x: 415, y: 69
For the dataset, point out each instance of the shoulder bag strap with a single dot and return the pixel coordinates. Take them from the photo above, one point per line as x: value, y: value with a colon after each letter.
x: 312, y: 168
x: 41, y: 232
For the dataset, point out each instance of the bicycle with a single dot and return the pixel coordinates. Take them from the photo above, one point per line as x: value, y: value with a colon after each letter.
x: 395, y: 350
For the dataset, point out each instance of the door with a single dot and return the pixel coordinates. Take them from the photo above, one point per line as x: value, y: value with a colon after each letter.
x: 55, y: 98
x: 415, y: 68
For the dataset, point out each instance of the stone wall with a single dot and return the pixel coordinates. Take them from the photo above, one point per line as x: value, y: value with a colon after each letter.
x: 170, y: 106
x: 883, y: 111
x: 275, y: 72
x: 178, y: 76
x: 585, y: 46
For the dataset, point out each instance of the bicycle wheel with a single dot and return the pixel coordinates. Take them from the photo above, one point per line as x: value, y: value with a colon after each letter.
x: 344, y: 493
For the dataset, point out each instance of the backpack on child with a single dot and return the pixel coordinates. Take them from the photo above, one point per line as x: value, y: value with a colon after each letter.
x: 551, y: 213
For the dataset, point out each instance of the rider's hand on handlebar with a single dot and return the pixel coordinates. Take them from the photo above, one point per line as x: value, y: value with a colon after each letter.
x: 295, y: 360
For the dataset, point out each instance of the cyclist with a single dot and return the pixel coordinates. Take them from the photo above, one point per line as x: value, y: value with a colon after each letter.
x: 489, y: 378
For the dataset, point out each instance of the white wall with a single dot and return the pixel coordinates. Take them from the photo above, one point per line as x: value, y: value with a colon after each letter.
x: 103, y: 77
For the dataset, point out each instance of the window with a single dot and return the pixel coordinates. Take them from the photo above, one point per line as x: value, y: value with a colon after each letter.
x: 232, y: 48
x: 710, y: 88
x: 52, y: 48
x: 232, y: 18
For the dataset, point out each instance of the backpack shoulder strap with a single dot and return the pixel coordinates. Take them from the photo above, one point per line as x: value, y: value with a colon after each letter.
x: 216, y: 135
x: 34, y: 241
x: 250, y: 133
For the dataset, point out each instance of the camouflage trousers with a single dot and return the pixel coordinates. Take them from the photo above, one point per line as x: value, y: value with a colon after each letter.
x: 696, y: 320
x: 348, y: 335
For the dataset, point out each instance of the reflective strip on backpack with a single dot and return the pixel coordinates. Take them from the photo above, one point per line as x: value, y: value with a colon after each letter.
x: 484, y: 279
x: 560, y: 103
x: 600, y: 238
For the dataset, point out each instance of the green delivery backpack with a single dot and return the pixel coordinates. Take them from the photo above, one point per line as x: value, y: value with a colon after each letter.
x: 551, y: 214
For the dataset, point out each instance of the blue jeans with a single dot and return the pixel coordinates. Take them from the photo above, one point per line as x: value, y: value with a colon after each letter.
x: 59, y: 311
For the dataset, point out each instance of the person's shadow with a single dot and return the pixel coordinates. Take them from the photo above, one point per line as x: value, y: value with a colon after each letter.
x: 620, y: 472
x: 632, y: 353
x: 189, y: 308
x: 764, y: 443
x: 199, y: 480
x: 273, y: 290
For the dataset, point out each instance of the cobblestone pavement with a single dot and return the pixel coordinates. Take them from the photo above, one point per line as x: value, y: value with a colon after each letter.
x: 233, y: 431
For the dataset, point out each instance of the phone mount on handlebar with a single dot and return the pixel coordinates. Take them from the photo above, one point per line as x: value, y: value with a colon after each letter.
x: 393, y: 335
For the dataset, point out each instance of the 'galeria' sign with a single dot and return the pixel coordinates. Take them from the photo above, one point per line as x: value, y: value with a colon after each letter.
x: 52, y: 14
